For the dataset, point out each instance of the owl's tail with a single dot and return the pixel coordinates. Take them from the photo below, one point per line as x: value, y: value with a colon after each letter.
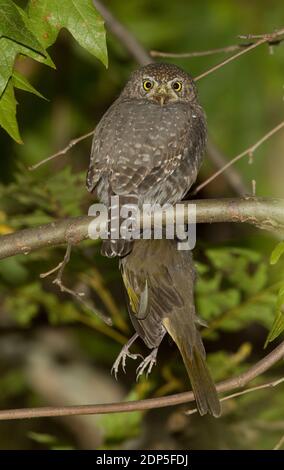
x: 194, y: 359
x: 121, y: 221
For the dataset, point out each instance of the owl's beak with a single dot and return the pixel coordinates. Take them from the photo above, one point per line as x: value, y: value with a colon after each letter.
x: 162, y: 95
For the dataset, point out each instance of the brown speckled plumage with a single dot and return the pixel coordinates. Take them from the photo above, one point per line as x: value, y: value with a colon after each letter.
x: 145, y: 149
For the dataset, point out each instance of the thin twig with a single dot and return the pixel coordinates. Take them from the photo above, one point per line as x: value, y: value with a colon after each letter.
x: 61, y: 152
x: 230, y: 59
x: 279, y: 444
x: 271, y: 40
x: 77, y: 295
x: 51, y: 271
x: 249, y: 151
x: 267, y: 38
x: 188, y: 55
x: 151, y: 403
x: 244, y: 392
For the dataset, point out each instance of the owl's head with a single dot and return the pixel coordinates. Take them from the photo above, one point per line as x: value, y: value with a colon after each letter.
x: 160, y: 83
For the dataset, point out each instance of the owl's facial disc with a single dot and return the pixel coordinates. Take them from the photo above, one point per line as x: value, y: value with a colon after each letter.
x: 161, y: 92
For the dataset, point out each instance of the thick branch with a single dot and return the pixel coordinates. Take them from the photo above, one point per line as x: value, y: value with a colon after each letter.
x: 265, y: 213
x: 231, y: 384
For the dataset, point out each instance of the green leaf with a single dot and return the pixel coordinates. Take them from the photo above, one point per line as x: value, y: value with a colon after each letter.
x: 277, y: 253
x: 42, y: 438
x: 8, y: 52
x: 12, y: 26
x: 278, y: 323
x: 21, y: 82
x: 79, y: 17
x: 8, y: 119
x: 8, y: 104
x: 277, y: 327
x: 39, y: 57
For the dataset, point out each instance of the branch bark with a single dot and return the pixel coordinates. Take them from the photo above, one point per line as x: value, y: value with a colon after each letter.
x: 264, y: 213
x: 161, y: 402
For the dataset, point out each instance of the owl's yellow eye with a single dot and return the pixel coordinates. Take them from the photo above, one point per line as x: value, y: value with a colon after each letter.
x: 177, y: 86
x: 147, y: 85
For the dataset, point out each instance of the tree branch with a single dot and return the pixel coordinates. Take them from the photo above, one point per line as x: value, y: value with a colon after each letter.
x: 263, y: 40
x: 190, y: 55
x: 247, y: 152
x: 273, y: 39
x: 66, y: 149
x: 264, y: 213
x: 161, y: 402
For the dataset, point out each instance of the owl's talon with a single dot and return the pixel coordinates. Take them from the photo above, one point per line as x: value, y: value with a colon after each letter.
x: 147, y: 364
x: 121, y: 358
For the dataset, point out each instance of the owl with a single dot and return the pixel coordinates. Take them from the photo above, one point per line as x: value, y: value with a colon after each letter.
x: 147, y: 149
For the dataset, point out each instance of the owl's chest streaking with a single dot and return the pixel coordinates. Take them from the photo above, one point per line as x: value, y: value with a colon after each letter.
x: 147, y: 150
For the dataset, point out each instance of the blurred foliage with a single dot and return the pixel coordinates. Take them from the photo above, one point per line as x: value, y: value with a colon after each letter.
x: 239, y: 292
x: 278, y: 324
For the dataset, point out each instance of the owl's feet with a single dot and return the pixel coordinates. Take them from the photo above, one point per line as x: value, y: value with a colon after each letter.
x: 147, y: 364
x: 124, y: 353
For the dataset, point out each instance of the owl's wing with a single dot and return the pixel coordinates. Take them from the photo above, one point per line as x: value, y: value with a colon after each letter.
x: 99, y: 159
x: 151, y: 290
